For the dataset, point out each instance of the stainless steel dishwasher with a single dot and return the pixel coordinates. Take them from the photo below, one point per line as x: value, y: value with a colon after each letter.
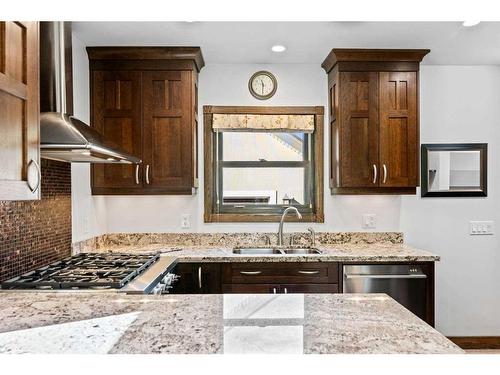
x: 405, y: 283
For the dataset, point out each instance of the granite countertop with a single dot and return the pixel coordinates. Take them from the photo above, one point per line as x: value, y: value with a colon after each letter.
x: 90, y: 322
x: 376, y: 252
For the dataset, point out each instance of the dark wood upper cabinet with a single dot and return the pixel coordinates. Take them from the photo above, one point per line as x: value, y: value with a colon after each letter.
x: 116, y: 110
x: 168, y: 139
x: 399, y: 140
x: 359, y: 103
x: 19, y: 114
x: 373, y: 120
x: 144, y: 99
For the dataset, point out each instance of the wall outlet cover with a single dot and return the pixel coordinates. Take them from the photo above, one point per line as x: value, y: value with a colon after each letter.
x: 185, y: 221
x: 369, y: 221
x: 481, y: 227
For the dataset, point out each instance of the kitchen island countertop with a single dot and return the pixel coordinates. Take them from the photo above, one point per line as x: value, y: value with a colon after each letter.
x: 104, y: 322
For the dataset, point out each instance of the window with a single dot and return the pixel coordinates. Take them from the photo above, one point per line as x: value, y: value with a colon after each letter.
x: 252, y: 174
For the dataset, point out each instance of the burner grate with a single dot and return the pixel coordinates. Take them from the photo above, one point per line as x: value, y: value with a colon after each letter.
x: 85, y: 271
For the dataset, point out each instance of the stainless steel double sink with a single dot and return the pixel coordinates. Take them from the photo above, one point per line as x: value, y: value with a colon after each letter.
x: 276, y: 251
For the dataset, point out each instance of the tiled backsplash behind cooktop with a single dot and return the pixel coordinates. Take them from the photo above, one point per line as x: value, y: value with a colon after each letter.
x: 34, y: 233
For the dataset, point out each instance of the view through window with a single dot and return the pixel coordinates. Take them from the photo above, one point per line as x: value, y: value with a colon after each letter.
x: 263, y: 171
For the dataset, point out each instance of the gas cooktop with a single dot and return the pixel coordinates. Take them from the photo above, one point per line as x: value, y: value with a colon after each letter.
x: 85, y: 271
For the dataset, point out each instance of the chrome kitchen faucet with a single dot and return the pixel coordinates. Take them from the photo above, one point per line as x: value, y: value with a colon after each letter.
x: 280, y: 228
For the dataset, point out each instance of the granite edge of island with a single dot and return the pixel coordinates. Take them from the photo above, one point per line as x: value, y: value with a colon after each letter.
x: 334, y: 323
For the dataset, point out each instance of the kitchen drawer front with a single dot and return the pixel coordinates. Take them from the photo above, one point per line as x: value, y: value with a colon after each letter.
x: 280, y: 289
x: 309, y: 288
x: 281, y: 273
x: 251, y: 288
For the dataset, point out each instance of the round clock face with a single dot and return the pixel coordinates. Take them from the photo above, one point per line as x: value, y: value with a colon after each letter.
x: 262, y: 85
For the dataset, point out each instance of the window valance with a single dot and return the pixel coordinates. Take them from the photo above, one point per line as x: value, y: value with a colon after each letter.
x: 277, y: 123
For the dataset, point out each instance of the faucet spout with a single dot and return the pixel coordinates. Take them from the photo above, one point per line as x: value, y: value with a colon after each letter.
x: 280, y: 228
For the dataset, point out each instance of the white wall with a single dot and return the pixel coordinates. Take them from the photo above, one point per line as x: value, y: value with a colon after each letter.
x: 88, y: 212
x: 460, y: 104
x: 227, y: 84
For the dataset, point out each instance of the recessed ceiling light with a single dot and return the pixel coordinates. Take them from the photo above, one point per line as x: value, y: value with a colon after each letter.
x: 470, y: 23
x: 278, y: 48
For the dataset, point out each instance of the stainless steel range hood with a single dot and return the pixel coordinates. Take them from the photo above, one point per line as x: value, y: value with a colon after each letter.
x: 64, y: 137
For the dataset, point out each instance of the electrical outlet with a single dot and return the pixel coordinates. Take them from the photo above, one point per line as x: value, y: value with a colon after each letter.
x: 86, y: 225
x: 369, y: 221
x: 185, y: 221
x: 481, y: 227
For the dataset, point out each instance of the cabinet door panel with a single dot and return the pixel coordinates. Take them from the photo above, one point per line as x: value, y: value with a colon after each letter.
x: 359, y: 128
x: 398, y: 129
x: 117, y: 115
x: 167, y: 130
x: 19, y: 114
x: 197, y: 278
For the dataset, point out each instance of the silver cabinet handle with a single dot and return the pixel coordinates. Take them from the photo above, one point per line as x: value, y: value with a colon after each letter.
x: 137, y: 174
x: 286, y: 290
x: 147, y: 174
x: 274, y: 290
x: 308, y: 272
x: 385, y: 173
x: 39, y: 176
x: 416, y: 276
x: 374, y: 174
x: 250, y: 272
x: 199, y: 277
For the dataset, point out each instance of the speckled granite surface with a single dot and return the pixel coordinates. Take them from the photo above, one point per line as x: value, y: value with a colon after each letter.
x: 379, y: 252
x: 231, y: 239
x: 217, y: 247
x: 89, y: 322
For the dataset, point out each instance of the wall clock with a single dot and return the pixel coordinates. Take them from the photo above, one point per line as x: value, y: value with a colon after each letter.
x: 262, y: 85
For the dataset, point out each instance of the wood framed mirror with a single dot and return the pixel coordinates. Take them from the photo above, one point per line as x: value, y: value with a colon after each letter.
x: 454, y: 170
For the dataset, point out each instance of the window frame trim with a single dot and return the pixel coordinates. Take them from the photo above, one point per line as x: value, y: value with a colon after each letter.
x: 211, y: 150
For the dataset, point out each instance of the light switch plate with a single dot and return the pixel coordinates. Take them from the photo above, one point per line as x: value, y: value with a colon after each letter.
x: 185, y: 221
x: 369, y: 221
x: 481, y: 227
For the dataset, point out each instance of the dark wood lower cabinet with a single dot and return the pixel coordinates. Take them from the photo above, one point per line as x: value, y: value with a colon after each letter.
x: 198, y: 278
x: 279, y: 278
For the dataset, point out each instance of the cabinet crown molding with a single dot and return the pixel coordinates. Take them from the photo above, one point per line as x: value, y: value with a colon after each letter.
x: 148, y: 53
x: 372, y: 55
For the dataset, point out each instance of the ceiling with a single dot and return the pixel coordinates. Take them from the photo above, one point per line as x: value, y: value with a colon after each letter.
x: 306, y: 42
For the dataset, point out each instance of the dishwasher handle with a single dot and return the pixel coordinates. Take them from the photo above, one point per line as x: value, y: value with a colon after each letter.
x: 409, y: 276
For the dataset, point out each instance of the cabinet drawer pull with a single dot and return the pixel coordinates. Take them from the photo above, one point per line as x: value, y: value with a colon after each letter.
x: 250, y: 272
x: 147, y: 174
x: 374, y: 174
x: 137, y: 174
x: 199, y: 277
x: 308, y: 272
x: 274, y: 290
x: 385, y: 173
x: 38, y: 176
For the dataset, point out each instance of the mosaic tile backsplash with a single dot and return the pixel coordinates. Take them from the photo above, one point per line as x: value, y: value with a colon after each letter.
x: 35, y: 233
